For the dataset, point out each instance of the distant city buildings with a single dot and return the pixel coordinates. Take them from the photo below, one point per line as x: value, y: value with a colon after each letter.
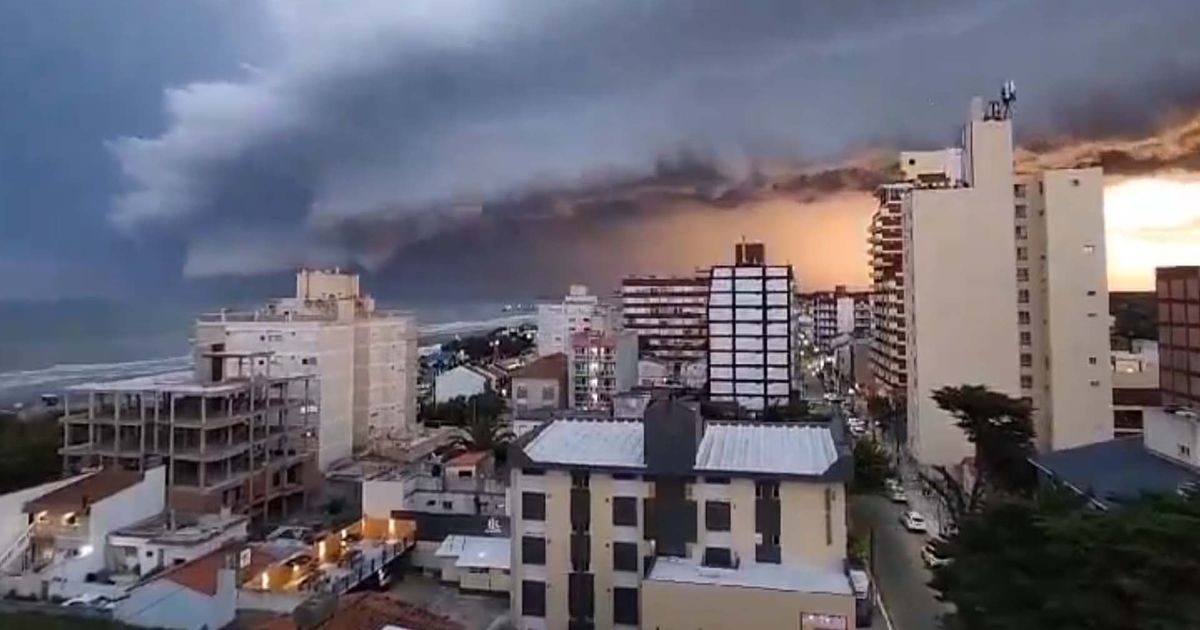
x: 675, y: 522
x: 579, y: 311
x: 1004, y: 285
x: 838, y: 313
x: 599, y: 365
x: 364, y: 359
x: 468, y: 380
x: 750, y: 337
x: 1178, y: 292
x: 669, y: 315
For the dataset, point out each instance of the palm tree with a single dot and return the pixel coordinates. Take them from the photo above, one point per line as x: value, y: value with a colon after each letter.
x: 484, y: 433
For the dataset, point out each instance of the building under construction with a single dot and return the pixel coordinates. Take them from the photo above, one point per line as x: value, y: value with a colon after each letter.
x: 229, y: 433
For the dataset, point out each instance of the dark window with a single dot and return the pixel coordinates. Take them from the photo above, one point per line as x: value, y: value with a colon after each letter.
x: 447, y: 505
x: 624, y: 511
x: 533, y: 598
x: 768, y: 554
x: 717, y: 481
x: 533, y: 472
x: 624, y: 476
x: 533, y: 506
x: 581, y: 552
x: 718, y: 557
x: 579, y: 479
x: 625, y: 556
x: 650, y: 530
x: 766, y: 489
x: 625, y: 606
x: 533, y: 550
x: 716, y: 516
x: 580, y: 595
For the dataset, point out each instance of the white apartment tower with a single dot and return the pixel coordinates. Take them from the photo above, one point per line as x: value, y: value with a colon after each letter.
x: 750, y: 331
x: 365, y: 359
x: 578, y: 312
x: 1004, y: 286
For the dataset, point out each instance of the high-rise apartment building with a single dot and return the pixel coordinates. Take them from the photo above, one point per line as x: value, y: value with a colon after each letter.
x: 678, y: 523
x: 750, y: 354
x: 839, y: 313
x: 1179, y: 335
x: 600, y: 365
x: 578, y: 311
x: 669, y: 315
x: 1005, y: 286
x: 365, y: 359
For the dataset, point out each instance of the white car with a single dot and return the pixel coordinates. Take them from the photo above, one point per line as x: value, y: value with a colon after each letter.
x: 91, y: 600
x: 898, y: 496
x: 914, y: 522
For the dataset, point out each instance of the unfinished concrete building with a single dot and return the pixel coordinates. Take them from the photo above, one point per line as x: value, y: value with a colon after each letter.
x: 229, y: 437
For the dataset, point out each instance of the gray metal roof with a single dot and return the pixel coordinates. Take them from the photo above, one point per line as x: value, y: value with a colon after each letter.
x: 1116, y: 470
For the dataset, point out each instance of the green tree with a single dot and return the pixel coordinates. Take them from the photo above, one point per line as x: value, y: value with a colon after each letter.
x: 29, y: 451
x: 485, y: 433
x: 1000, y: 428
x: 1052, y: 562
x: 891, y: 413
x: 871, y: 466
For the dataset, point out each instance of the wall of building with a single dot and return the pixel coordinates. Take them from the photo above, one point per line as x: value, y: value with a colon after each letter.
x: 1077, y: 298
x: 139, y: 502
x: 162, y: 603
x: 540, y: 393
x: 385, y: 373
x: 812, y: 528
x: 1173, y: 435
x: 13, y: 519
x: 712, y: 607
x: 960, y: 293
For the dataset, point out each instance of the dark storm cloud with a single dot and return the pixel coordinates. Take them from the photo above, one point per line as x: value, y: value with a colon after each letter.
x: 362, y: 133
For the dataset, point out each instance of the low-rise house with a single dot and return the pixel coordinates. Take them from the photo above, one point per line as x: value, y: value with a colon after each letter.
x: 541, y: 384
x: 200, y: 594
x: 476, y: 563
x: 1165, y: 458
x: 361, y: 611
x: 172, y: 538
x: 466, y: 381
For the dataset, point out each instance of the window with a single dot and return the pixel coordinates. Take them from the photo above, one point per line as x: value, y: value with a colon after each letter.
x: 1026, y: 359
x: 1026, y: 381
x: 625, y: 606
x: 1185, y: 450
x: 1022, y: 274
x: 1023, y: 296
x: 522, y: 392
x: 447, y: 505
x: 1023, y: 317
x: 1022, y: 253
x: 580, y: 595
x: 766, y: 489
x: 1092, y: 360
x: 625, y: 556
x: 1026, y: 338
x: 1094, y: 383
x: 1021, y: 211
x: 624, y: 476
x: 1019, y: 191
x: 533, y: 506
x: 465, y: 474
x: 1091, y: 294
x: 624, y: 511
x: 548, y: 393
x: 718, y: 557
x: 533, y: 598
x: 1089, y: 249
x: 1022, y: 232
x: 580, y: 480
x: 716, y: 516
x: 829, y: 497
x: 717, y: 481
x: 533, y: 550
x: 533, y: 472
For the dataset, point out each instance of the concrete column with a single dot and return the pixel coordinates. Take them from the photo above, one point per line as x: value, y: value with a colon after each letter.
x: 171, y: 440
x: 142, y: 432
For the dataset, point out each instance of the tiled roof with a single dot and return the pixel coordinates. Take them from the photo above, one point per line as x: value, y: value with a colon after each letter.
x: 86, y: 491
x: 200, y: 574
x: 589, y: 443
x: 470, y: 458
x: 766, y: 448
x: 551, y: 366
x: 372, y: 611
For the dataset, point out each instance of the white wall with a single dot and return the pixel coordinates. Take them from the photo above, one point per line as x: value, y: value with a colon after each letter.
x: 459, y: 381
x: 13, y: 519
x: 137, y: 503
x: 1172, y: 435
x: 1077, y: 299
x: 961, y: 293
x: 380, y: 497
x: 162, y: 603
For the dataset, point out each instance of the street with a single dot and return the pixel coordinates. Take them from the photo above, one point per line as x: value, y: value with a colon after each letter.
x: 899, y: 574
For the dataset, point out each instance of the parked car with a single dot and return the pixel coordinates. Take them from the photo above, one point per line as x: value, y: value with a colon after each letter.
x: 864, y: 597
x: 898, y: 496
x: 930, y: 557
x: 91, y: 600
x: 914, y: 522
x: 892, y: 484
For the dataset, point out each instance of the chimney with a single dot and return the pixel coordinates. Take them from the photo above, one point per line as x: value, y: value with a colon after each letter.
x: 750, y: 254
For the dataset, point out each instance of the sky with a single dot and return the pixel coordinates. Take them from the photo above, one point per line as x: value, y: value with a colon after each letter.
x: 485, y: 149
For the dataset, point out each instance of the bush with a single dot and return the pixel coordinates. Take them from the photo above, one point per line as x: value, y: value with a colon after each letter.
x: 871, y: 466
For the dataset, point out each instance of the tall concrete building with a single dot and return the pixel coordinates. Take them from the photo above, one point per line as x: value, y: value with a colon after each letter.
x: 365, y: 359
x: 578, y: 311
x: 1004, y: 286
x: 669, y: 315
x: 674, y: 522
x: 1178, y: 291
x: 750, y: 353
x: 600, y: 365
x: 839, y: 313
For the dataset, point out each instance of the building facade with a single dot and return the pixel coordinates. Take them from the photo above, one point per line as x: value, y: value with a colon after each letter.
x: 1005, y: 286
x: 579, y: 311
x: 600, y: 365
x: 669, y: 315
x: 839, y: 313
x: 750, y: 338
x: 1135, y: 374
x: 1178, y: 290
x: 541, y: 384
x: 364, y: 359
x: 672, y: 511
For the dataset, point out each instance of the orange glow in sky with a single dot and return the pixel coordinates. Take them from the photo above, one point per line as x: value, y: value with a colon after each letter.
x: 1151, y: 222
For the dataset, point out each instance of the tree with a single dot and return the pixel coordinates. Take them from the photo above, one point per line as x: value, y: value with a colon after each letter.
x: 891, y: 413
x: 871, y: 466
x: 29, y: 451
x: 1000, y: 428
x: 1053, y: 562
x: 485, y: 433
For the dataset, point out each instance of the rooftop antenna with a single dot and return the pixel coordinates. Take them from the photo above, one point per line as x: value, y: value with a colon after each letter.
x: 1008, y: 96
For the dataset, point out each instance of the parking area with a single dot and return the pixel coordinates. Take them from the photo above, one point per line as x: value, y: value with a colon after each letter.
x: 473, y: 611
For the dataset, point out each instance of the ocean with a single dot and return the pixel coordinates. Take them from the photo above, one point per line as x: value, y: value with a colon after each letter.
x: 45, y: 347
